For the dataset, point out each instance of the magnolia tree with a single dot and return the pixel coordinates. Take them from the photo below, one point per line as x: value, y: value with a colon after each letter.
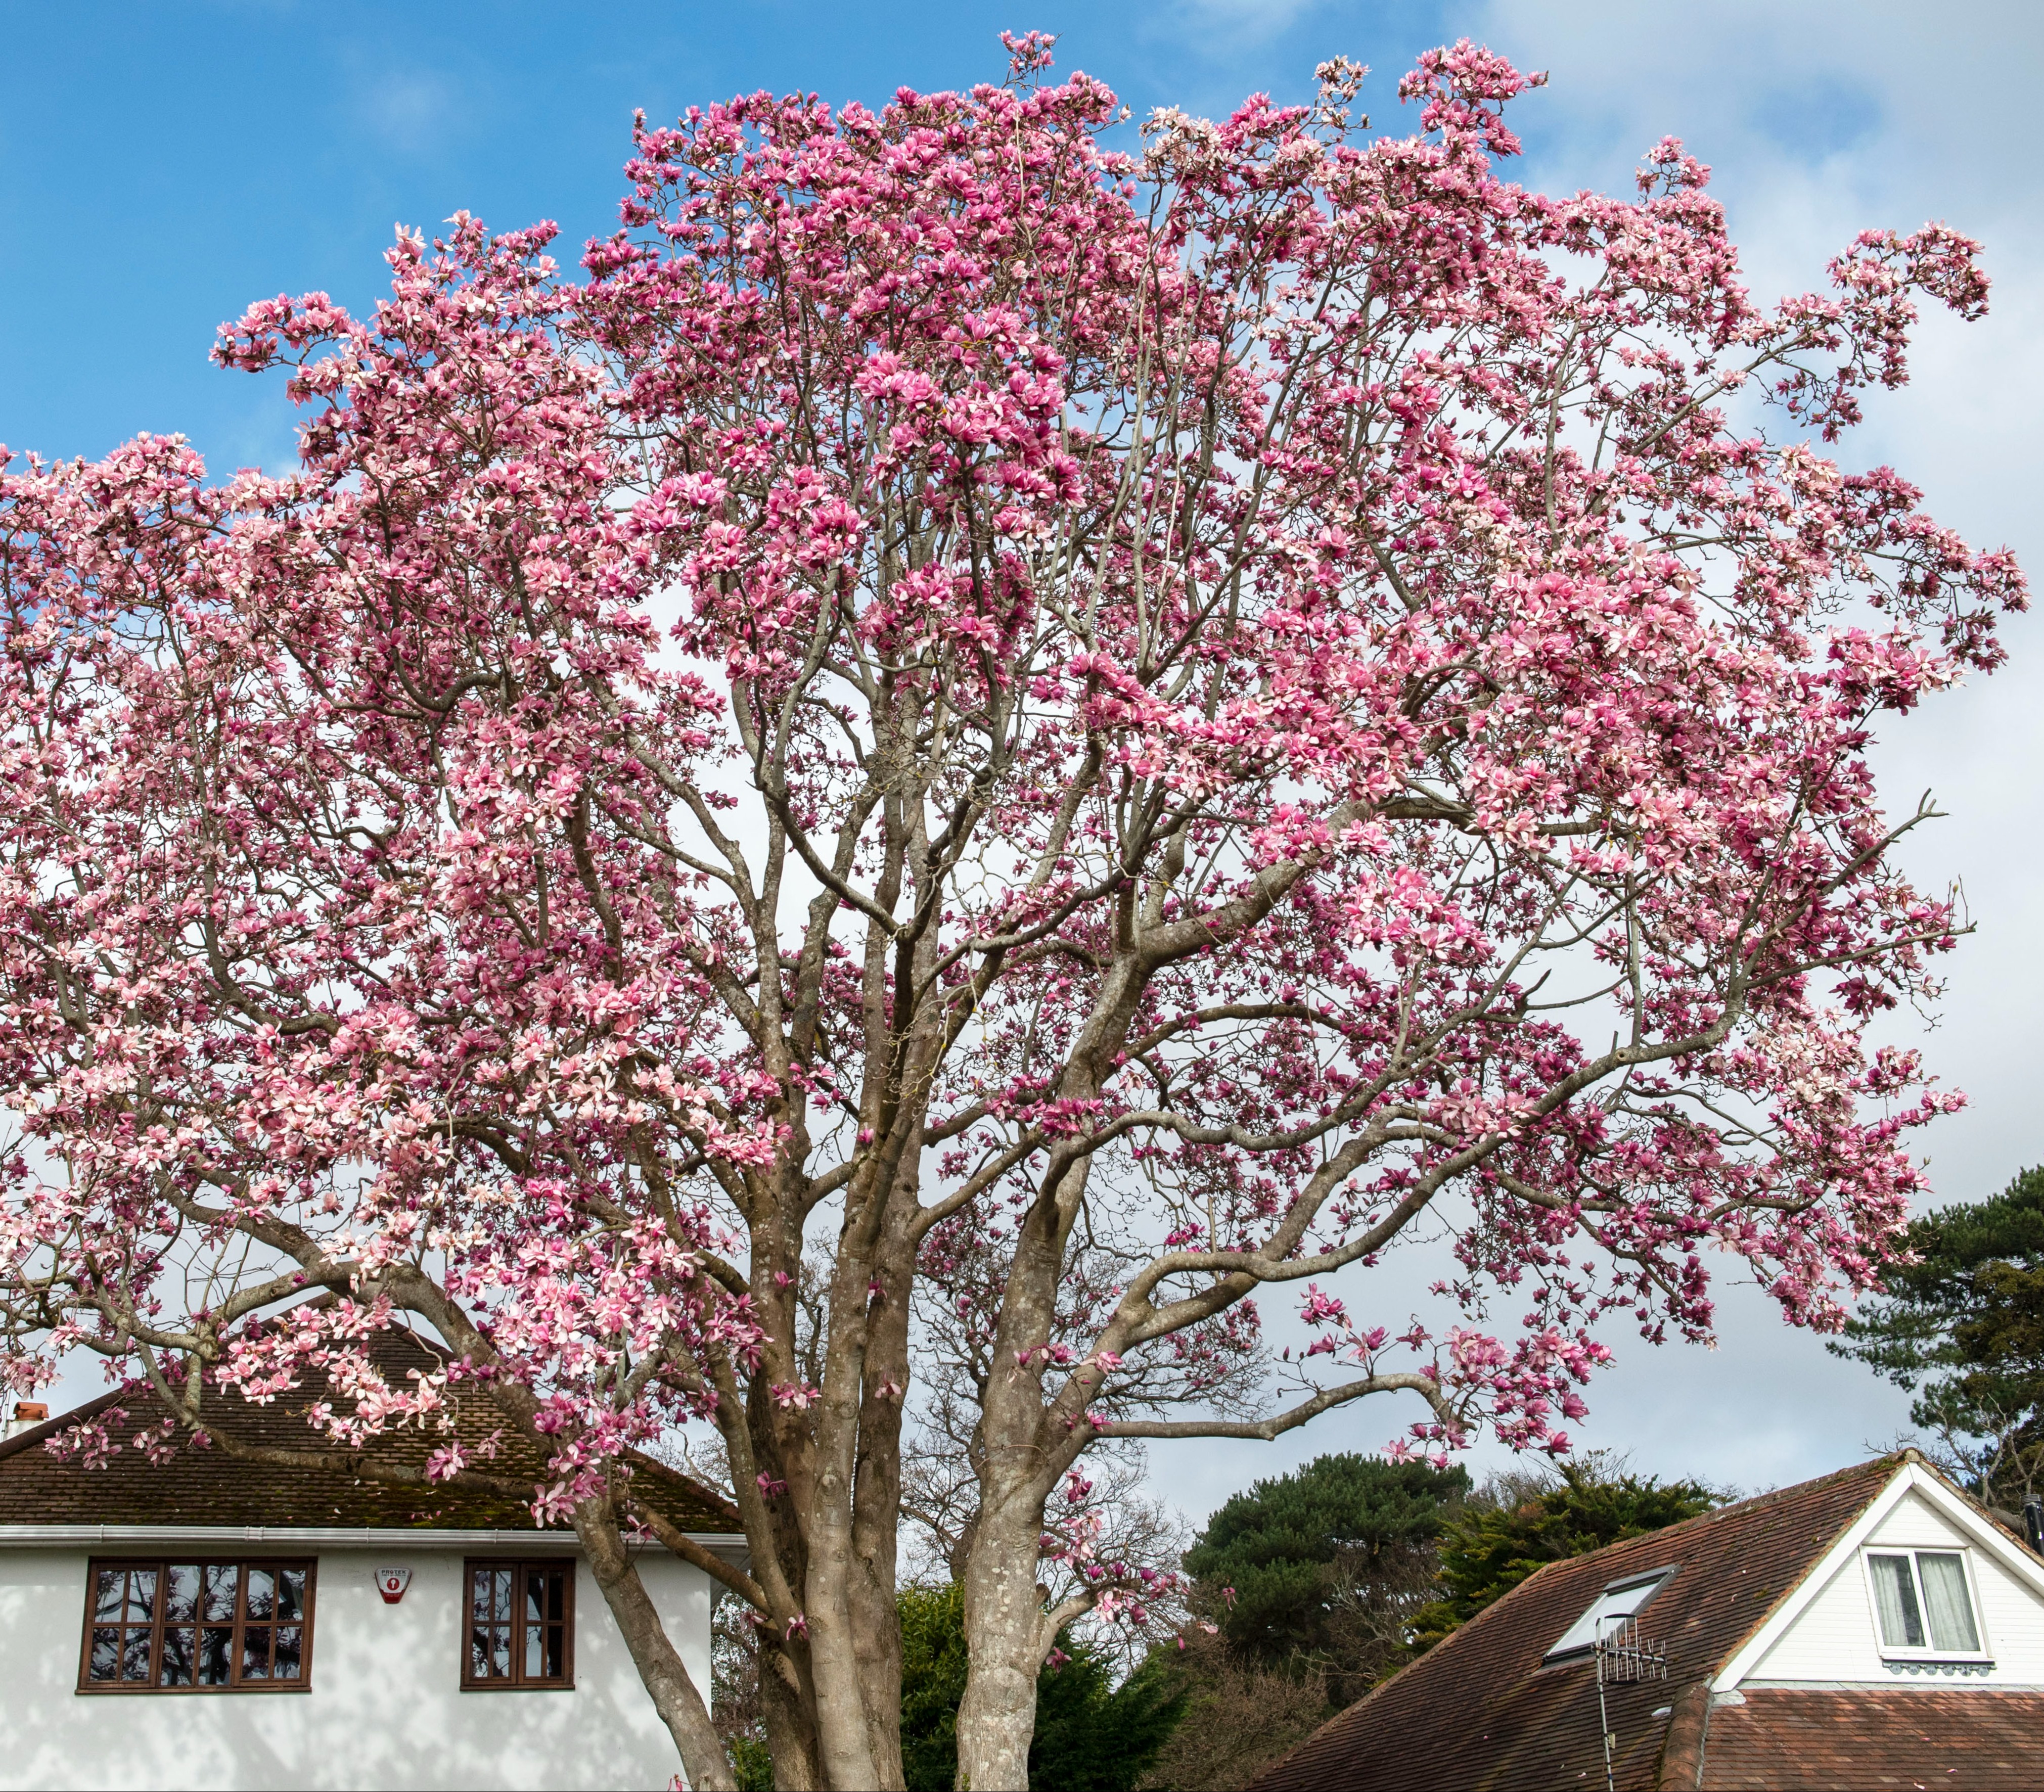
x: 968, y: 696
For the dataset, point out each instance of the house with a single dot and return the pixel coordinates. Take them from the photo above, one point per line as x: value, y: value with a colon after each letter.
x: 1869, y: 1630
x: 199, y: 1622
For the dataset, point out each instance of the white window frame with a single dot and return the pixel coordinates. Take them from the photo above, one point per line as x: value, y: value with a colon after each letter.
x: 1898, y: 1652
x: 1651, y: 1581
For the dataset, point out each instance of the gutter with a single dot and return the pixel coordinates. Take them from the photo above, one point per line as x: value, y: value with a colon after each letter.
x: 720, y: 1544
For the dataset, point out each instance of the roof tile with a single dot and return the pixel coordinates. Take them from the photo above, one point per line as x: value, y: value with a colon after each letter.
x: 1792, y: 1739
x: 207, y: 1487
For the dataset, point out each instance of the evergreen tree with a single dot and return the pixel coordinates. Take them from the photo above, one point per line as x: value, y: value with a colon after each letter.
x: 1324, y: 1563
x: 1963, y: 1326
x: 933, y: 1675
x: 1487, y: 1549
x: 1091, y: 1735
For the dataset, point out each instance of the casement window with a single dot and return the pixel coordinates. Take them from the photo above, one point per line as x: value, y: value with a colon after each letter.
x: 199, y: 1626
x: 1923, y: 1603
x: 1619, y: 1600
x: 520, y: 1625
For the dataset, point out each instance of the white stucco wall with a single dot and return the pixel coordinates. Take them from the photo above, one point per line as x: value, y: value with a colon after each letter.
x: 384, y: 1707
x: 1833, y: 1640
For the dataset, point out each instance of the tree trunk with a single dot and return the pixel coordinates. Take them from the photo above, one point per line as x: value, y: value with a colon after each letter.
x: 877, y: 1493
x: 997, y: 1719
x: 791, y: 1737
x: 1004, y: 1611
x: 843, y: 1736
x: 675, y: 1694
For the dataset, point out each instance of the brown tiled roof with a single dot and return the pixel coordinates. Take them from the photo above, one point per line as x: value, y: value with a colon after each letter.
x: 1793, y: 1741
x: 209, y: 1487
x: 1479, y: 1713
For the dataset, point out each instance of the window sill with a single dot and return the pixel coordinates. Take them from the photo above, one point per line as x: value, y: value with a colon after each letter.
x: 116, y: 1691
x: 1939, y: 1664
x: 517, y: 1687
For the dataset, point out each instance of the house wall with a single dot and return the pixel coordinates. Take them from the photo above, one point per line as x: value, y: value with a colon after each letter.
x: 385, y: 1708
x: 1833, y: 1639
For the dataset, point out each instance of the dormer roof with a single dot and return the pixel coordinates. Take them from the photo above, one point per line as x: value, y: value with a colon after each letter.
x: 1492, y: 1707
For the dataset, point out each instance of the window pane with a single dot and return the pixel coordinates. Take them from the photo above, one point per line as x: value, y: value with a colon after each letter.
x: 216, y: 1654
x: 490, y: 1652
x: 291, y: 1651
x: 141, y: 1595
x: 180, y: 1593
x: 106, y: 1653
x: 555, y: 1666
x: 1945, y: 1603
x: 256, y: 1653
x: 290, y: 1593
x: 1624, y: 1601
x: 262, y: 1596
x: 220, y: 1582
x: 134, y: 1655
x: 1895, y: 1597
x: 109, y: 1585
x: 180, y: 1646
x: 490, y: 1595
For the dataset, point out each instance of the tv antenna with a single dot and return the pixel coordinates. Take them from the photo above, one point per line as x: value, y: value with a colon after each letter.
x: 1624, y: 1658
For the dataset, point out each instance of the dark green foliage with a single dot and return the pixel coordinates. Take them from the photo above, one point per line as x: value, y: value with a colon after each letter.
x: 1965, y: 1328
x: 752, y: 1764
x: 1485, y: 1550
x: 1091, y: 1736
x: 1299, y: 1549
x: 933, y: 1670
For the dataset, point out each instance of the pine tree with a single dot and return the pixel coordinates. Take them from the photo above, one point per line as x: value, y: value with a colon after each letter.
x: 1963, y: 1326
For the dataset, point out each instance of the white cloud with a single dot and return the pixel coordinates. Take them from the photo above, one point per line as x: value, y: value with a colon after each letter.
x: 409, y: 110
x: 1820, y: 120
x: 1227, y: 26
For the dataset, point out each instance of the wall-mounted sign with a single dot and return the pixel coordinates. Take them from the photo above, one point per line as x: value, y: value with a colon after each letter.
x: 391, y: 1584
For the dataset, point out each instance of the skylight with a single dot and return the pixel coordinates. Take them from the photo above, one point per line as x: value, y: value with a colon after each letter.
x: 1621, y: 1599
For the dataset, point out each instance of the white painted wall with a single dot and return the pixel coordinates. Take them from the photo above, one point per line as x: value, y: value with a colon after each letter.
x: 386, y: 1707
x: 1833, y: 1640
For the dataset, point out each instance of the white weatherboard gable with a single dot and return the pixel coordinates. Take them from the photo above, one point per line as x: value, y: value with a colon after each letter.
x: 1823, y: 1633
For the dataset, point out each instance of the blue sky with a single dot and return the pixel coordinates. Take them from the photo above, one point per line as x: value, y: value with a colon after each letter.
x: 168, y: 162
x: 162, y: 164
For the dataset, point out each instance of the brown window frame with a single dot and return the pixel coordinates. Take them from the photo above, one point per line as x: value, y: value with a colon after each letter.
x: 515, y: 1621
x: 157, y: 1624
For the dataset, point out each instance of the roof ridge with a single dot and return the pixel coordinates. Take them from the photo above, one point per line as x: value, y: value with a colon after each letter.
x: 1888, y: 1464
x: 2020, y: 1538
x: 1891, y: 1463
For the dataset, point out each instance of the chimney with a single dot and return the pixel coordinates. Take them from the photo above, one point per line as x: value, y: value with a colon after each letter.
x: 2033, y: 1523
x: 27, y: 1413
